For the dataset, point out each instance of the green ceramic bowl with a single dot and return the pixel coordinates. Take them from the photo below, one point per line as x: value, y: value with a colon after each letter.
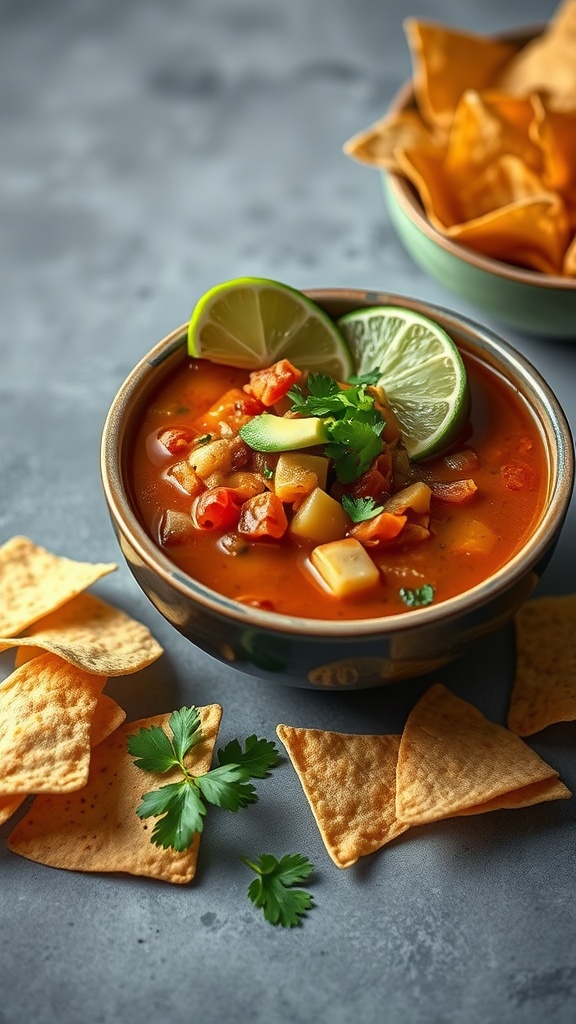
x: 528, y: 301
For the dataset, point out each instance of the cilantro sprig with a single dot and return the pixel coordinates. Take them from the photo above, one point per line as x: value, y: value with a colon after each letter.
x: 181, y: 806
x: 273, y: 889
x: 417, y: 597
x: 352, y: 422
x: 360, y: 509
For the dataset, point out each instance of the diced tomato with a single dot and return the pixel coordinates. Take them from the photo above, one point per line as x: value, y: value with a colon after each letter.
x: 263, y: 516
x: 271, y: 384
x: 375, y: 483
x: 378, y: 530
x: 177, y: 440
x: 518, y: 476
x: 232, y: 410
x: 216, y: 509
x: 455, y: 492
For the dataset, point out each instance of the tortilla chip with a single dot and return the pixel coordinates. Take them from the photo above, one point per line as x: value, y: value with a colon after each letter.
x: 9, y: 805
x: 555, y: 134
x: 46, y: 710
x: 544, y: 690
x: 453, y: 760
x: 34, y: 582
x: 108, y: 715
x: 377, y: 144
x: 505, y: 181
x: 92, y: 635
x: 97, y: 829
x: 446, y: 62
x: 349, y: 782
x: 569, y: 266
x: 548, y: 63
x: 487, y: 126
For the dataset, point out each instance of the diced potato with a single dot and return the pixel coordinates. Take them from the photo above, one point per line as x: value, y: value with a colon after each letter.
x: 297, y: 474
x: 415, y: 496
x: 183, y: 476
x: 471, y: 537
x: 320, y: 518
x: 175, y: 527
x: 214, y: 457
x: 345, y: 566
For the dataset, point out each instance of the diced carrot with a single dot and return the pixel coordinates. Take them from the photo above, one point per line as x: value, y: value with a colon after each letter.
x: 518, y: 476
x: 455, y: 492
x: 216, y: 509
x: 177, y: 440
x: 379, y: 530
x: 263, y: 516
x: 232, y: 410
x: 271, y: 384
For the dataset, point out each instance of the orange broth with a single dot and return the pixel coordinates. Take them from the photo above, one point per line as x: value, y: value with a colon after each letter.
x: 276, y: 574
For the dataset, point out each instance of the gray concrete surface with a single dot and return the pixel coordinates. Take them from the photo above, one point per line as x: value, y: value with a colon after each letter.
x: 147, y: 151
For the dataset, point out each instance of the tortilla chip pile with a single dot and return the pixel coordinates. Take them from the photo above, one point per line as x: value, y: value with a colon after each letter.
x: 490, y: 144
x: 450, y: 761
x: 61, y: 737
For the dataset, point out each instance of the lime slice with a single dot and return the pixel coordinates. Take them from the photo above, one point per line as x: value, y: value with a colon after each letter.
x: 421, y: 371
x: 252, y: 322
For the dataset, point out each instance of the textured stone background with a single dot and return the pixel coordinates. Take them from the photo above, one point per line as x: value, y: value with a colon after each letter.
x: 148, y: 151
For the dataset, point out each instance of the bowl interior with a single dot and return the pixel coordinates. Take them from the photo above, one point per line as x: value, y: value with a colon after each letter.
x: 127, y: 410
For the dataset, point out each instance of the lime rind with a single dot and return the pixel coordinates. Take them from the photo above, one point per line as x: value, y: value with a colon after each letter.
x: 422, y: 373
x: 252, y: 322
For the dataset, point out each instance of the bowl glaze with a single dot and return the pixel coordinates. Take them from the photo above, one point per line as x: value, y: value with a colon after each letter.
x: 323, y: 654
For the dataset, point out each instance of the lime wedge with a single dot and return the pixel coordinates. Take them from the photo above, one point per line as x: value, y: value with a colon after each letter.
x: 252, y: 322
x: 421, y: 371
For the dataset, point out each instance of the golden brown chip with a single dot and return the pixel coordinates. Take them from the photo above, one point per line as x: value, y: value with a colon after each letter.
x: 452, y: 759
x: 108, y: 715
x: 97, y: 829
x: 92, y: 635
x: 526, y: 796
x: 349, y: 782
x: 487, y: 126
x: 9, y: 805
x: 46, y: 710
x: 377, y: 144
x: 544, y: 690
x: 569, y: 267
x: 446, y: 62
x: 548, y: 63
x: 555, y: 134
x: 34, y: 582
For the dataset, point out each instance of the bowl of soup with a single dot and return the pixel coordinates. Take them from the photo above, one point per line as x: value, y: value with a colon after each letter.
x: 473, y: 527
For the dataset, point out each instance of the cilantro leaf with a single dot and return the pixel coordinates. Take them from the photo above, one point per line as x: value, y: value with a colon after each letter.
x: 152, y: 749
x: 353, y: 446
x: 186, y: 730
x: 272, y: 890
x: 180, y: 806
x: 257, y: 759
x: 226, y: 786
x: 417, y: 597
x: 360, y: 509
x: 179, y: 809
x: 370, y: 378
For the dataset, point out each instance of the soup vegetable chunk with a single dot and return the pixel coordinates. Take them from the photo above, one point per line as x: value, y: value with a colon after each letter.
x: 290, y: 490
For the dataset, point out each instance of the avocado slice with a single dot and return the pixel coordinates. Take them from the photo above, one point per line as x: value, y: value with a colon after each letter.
x: 268, y: 433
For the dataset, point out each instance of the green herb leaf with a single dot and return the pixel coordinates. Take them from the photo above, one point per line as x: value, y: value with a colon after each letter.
x: 256, y: 760
x: 267, y: 472
x: 353, y: 447
x: 186, y: 730
x: 152, y: 750
x: 360, y: 509
x: 272, y: 890
x: 179, y: 809
x: 203, y: 439
x: 370, y: 378
x: 181, y: 806
x: 227, y: 787
x: 417, y: 597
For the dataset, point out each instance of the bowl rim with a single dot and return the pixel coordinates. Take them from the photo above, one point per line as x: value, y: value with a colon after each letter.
x: 481, y: 339
x: 407, y: 199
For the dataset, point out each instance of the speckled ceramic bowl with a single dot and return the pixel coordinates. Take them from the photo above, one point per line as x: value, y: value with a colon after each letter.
x: 323, y: 654
x: 528, y: 301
